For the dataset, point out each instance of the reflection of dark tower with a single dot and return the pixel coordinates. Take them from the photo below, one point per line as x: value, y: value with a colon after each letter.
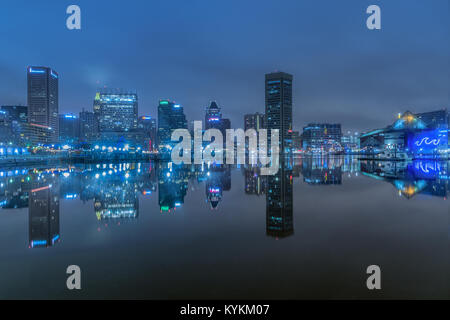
x: 255, y: 183
x: 172, y: 186
x: 279, y: 204
x: 43, y: 214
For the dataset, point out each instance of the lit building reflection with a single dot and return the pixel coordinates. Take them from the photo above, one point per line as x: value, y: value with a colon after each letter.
x: 322, y: 170
x: 14, y: 187
x: 279, y: 204
x: 418, y: 177
x: 43, y: 213
x: 255, y: 183
x: 218, y: 180
x: 116, y: 195
x: 172, y: 185
x: 114, y: 188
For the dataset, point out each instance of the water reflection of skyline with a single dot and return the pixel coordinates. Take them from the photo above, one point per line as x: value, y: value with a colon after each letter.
x: 114, y: 189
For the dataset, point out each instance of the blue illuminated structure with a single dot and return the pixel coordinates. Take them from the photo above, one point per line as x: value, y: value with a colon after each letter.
x: 34, y: 70
x: 428, y: 142
x: 418, y: 135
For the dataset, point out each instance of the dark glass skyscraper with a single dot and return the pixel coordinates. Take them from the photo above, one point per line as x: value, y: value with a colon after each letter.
x: 69, y: 129
x: 88, y: 126
x: 170, y: 117
x: 147, y: 124
x: 278, y: 87
x: 43, y: 99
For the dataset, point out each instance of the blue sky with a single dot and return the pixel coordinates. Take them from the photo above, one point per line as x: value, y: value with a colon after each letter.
x: 196, y: 51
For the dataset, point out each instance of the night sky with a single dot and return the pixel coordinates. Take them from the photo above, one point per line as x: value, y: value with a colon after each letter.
x: 196, y: 51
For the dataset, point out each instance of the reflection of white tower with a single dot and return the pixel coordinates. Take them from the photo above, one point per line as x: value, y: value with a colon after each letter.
x: 214, y: 195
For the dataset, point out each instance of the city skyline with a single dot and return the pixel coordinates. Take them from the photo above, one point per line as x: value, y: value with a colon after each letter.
x: 245, y: 152
x: 193, y: 68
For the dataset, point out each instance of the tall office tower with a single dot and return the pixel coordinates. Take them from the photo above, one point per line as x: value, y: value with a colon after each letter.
x: 43, y: 99
x: 254, y: 121
x: 214, y: 119
x: 44, y: 213
x: 170, y: 117
x: 213, y: 115
x: 278, y: 87
x: 88, y: 126
x: 147, y: 124
x: 69, y: 129
x: 116, y: 110
x: 279, y: 203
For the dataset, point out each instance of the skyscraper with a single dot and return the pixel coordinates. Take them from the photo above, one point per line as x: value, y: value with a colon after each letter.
x: 147, y: 124
x: 278, y: 87
x: 213, y: 115
x: 170, y: 117
x: 69, y: 129
x: 116, y: 111
x: 43, y: 99
x: 214, y: 119
x: 88, y: 126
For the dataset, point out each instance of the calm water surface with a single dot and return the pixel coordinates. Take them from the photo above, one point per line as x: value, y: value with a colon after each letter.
x: 152, y: 230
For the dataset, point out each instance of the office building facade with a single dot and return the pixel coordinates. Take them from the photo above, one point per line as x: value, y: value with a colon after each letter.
x: 278, y: 92
x: 116, y: 111
x: 69, y: 129
x: 322, y: 137
x: 170, y: 117
x: 42, y: 83
x: 148, y: 126
x: 88, y: 126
